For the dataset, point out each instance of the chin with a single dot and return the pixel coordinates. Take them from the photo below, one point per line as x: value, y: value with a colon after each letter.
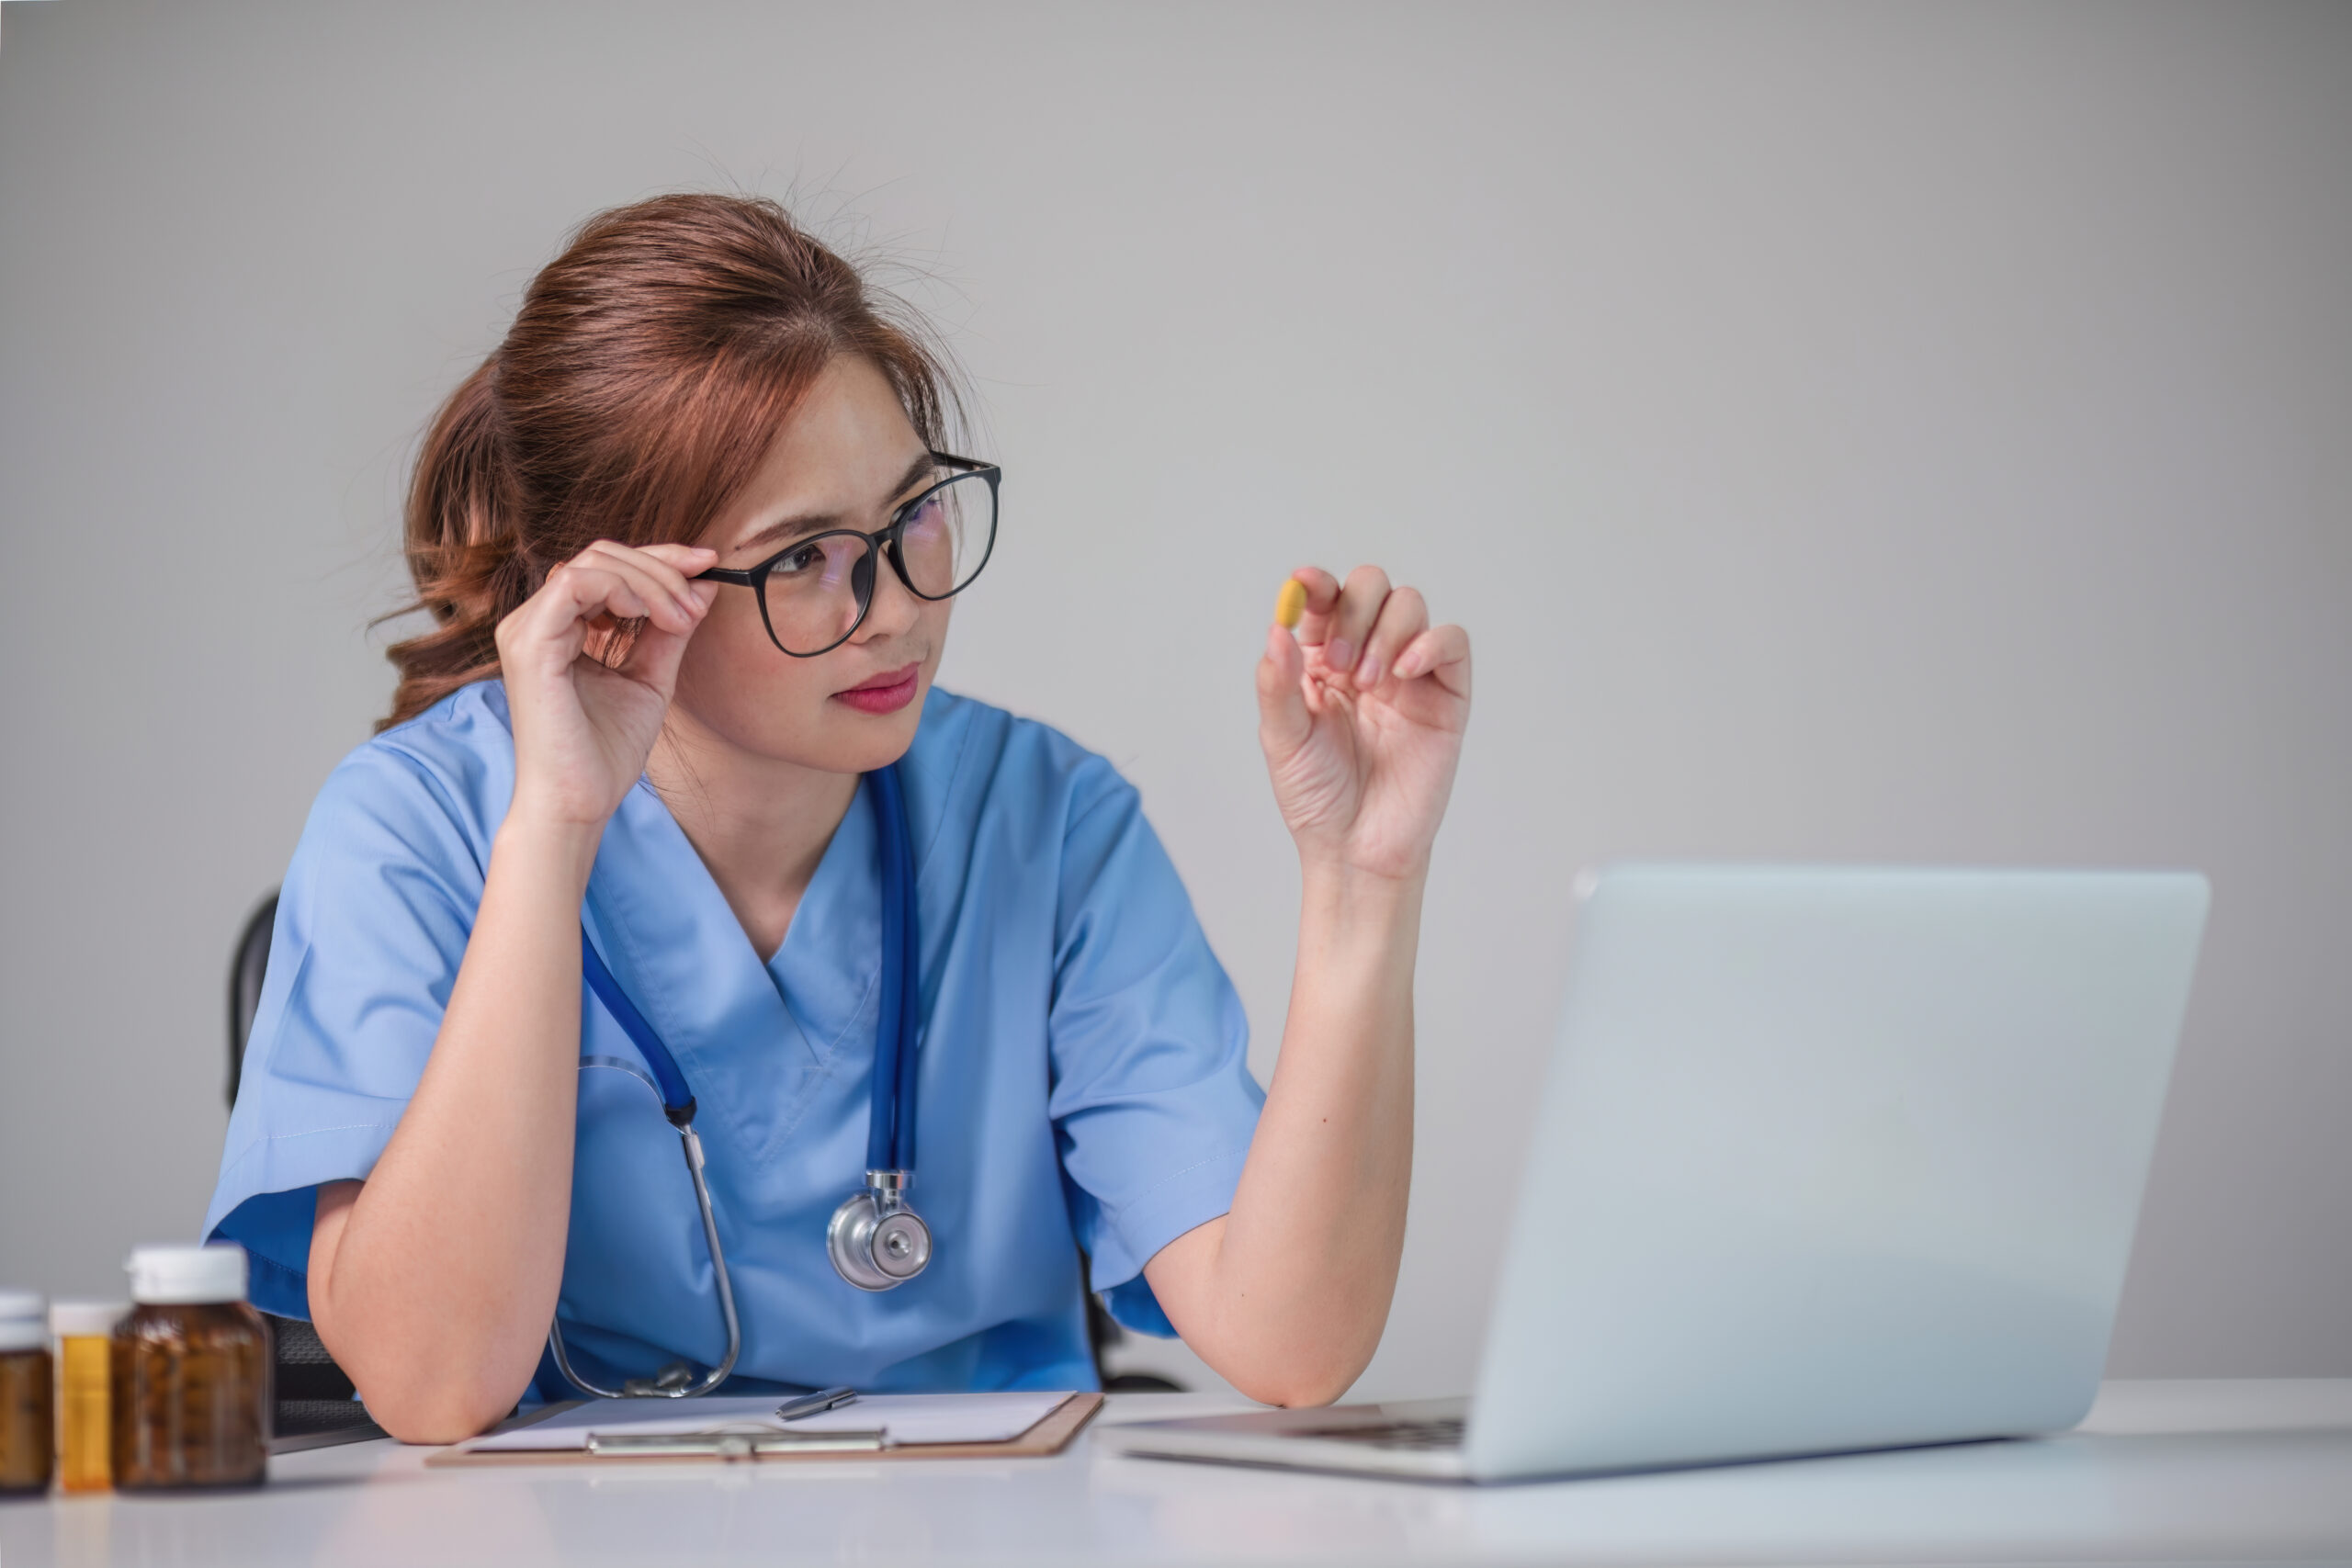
x: 856, y: 742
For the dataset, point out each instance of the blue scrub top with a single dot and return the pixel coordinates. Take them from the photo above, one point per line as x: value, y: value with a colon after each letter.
x: 1082, y: 1077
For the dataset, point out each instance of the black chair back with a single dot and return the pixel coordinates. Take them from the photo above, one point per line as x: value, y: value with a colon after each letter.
x: 247, y: 966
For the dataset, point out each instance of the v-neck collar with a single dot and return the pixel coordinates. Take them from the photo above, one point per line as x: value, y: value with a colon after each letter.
x: 752, y: 1039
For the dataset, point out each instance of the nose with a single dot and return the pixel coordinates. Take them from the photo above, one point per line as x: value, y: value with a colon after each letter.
x: 894, y: 608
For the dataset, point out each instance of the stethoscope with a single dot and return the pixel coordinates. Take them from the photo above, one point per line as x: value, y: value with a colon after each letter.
x: 875, y: 1241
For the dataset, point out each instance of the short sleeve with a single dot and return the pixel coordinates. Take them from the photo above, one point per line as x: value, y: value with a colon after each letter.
x: 372, y: 923
x: 1152, y: 1100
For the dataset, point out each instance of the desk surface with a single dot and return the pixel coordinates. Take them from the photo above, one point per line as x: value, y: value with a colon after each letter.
x: 2238, y: 1472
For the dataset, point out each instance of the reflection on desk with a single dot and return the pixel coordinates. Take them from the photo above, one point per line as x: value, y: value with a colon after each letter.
x: 2238, y: 1470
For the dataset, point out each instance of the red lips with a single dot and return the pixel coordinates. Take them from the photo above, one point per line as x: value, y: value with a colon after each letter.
x: 886, y: 693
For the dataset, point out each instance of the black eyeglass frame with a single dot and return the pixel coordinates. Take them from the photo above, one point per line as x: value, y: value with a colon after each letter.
x: 883, y: 542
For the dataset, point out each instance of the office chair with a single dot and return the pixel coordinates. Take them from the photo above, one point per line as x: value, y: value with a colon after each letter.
x: 1102, y: 1331
x: 313, y: 1393
x: 247, y: 964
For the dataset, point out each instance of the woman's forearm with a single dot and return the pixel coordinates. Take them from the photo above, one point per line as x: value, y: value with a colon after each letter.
x: 434, y: 1282
x: 1287, y: 1295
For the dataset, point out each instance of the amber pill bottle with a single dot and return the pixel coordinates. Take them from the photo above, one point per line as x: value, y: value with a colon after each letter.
x: 26, y: 1370
x: 191, y: 1372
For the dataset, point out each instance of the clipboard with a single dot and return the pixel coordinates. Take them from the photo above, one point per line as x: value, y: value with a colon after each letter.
x: 1050, y: 1434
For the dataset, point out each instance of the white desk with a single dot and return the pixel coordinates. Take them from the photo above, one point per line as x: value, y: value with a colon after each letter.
x: 2232, y: 1472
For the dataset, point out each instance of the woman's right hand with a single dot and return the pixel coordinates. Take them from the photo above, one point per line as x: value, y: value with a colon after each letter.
x: 583, y: 728
x: 435, y: 1281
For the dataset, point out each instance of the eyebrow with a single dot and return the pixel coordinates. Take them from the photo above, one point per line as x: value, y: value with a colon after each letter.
x: 784, y: 528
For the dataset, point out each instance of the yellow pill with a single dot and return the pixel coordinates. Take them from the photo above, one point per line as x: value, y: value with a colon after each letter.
x: 1290, y: 603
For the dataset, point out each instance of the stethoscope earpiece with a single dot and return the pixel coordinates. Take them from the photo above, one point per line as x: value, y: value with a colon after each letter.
x: 875, y: 1241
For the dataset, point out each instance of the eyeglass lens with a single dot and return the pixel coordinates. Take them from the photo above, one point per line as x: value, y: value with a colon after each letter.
x: 816, y: 593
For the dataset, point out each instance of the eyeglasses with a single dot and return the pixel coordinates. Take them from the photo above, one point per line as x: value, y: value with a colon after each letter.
x: 815, y: 592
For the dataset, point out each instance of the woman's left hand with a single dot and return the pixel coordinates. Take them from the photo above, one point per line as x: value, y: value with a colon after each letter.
x: 1361, y: 715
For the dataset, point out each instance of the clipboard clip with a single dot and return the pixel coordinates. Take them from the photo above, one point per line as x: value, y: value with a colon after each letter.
x: 731, y: 1446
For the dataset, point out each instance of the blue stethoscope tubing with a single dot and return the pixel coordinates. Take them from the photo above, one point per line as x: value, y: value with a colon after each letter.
x: 875, y: 1241
x: 890, y: 1124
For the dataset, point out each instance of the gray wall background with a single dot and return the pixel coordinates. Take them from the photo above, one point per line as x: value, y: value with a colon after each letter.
x: 1849, y: 431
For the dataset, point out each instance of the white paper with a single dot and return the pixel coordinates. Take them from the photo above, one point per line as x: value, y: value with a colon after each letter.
x: 906, y: 1418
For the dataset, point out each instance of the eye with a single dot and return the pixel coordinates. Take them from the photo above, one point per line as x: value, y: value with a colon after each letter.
x: 798, y: 562
x: 925, y: 515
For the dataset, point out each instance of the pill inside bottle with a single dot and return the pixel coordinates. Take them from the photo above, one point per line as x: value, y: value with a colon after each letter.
x: 84, y: 1332
x: 190, y: 1394
x: 27, y: 1440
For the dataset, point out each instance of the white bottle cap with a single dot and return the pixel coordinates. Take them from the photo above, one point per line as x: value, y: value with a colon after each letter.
x: 189, y: 1276
x: 20, y: 1322
x: 75, y: 1319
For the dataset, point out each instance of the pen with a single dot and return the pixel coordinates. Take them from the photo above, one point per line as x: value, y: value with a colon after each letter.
x: 811, y: 1403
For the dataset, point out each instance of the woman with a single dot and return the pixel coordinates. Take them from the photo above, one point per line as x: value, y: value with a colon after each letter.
x: 690, y: 544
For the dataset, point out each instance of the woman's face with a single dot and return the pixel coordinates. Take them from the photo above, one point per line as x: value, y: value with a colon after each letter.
x: 847, y: 459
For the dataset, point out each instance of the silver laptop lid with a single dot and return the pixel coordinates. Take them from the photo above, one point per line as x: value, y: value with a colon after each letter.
x: 1832, y: 1159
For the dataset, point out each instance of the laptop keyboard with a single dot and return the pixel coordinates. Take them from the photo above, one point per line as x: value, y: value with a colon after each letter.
x: 1442, y: 1433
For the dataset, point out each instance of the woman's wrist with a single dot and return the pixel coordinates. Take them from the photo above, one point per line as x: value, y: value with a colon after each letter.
x: 1337, y: 882
x: 1351, y: 918
x: 548, y: 843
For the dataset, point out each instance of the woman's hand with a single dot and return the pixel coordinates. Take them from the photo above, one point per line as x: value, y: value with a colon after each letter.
x: 433, y: 1283
x: 584, y: 727
x: 1360, y: 716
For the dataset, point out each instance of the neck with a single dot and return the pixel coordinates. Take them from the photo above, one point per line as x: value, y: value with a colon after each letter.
x: 760, y: 825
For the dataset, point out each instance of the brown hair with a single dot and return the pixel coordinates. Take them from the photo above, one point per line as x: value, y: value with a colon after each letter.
x: 643, y: 381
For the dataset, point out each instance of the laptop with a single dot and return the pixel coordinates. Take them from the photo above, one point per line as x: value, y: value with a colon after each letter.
x: 1827, y: 1160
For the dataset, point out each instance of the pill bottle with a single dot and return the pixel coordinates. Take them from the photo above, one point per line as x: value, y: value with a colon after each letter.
x: 24, y: 1375
x: 191, y: 1373
x: 84, y: 1335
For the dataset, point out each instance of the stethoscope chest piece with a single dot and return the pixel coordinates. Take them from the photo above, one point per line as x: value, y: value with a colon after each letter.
x: 877, y: 1243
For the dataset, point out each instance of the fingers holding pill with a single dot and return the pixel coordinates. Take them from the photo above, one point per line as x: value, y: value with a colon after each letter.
x: 1322, y: 595
x: 1362, y: 707
x: 1360, y: 634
